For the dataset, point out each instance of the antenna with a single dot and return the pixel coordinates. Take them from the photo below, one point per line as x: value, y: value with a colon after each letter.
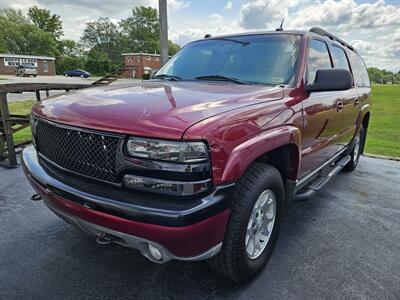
x: 280, y: 27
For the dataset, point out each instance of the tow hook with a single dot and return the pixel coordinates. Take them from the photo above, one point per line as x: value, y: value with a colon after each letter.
x: 36, y: 197
x: 103, y: 240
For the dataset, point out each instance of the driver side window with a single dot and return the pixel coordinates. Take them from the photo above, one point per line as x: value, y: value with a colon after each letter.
x: 318, y: 58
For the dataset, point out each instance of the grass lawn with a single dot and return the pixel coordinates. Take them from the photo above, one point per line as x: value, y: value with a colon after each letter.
x: 21, y: 108
x: 2, y: 78
x: 384, y: 127
x: 383, y: 132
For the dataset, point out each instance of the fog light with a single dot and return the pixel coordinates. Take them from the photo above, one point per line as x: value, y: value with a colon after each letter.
x: 165, y: 186
x: 155, y: 252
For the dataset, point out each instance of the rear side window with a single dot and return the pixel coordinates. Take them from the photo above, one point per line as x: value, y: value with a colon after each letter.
x: 318, y: 58
x: 359, y: 70
x: 339, y: 58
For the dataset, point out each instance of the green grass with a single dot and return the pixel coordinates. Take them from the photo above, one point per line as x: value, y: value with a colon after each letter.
x: 384, y: 127
x: 383, y: 132
x: 2, y: 78
x: 21, y: 108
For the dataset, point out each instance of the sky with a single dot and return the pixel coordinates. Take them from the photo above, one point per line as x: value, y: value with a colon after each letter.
x: 372, y: 27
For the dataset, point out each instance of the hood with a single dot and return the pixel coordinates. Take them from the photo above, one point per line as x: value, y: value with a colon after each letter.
x: 154, y: 109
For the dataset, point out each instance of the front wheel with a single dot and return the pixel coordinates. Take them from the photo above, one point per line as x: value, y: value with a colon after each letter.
x: 254, y: 224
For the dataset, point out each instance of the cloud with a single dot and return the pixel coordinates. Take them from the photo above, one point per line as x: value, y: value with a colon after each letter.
x: 346, y: 15
x: 261, y: 14
x: 228, y: 5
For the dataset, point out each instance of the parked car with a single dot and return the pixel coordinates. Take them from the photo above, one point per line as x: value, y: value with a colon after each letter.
x: 25, y: 71
x: 201, y: 162
x: 77, y: 73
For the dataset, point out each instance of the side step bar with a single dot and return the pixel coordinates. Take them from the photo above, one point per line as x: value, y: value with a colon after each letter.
x: 320, y: 181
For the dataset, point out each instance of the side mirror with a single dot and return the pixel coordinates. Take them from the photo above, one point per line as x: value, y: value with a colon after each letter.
x: 153, y: 73
x: 331, y: 80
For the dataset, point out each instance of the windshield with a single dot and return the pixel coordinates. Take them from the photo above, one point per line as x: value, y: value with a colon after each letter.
x: 255, y: 59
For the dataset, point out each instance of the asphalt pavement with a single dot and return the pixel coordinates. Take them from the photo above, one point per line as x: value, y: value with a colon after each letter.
x: 344, y: 243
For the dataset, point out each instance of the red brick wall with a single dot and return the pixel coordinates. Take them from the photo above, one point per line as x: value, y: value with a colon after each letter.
x: 6, y: 70
x: 140, y: 62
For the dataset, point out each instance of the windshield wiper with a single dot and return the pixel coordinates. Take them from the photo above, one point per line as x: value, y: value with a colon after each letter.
x: 222, y: 78
x: 233, y: 40
x: 168, y: 77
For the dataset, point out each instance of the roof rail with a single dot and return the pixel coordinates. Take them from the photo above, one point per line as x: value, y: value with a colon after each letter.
x: 322, y: 32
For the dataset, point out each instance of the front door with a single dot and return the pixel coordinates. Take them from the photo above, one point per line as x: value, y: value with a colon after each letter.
x: 321, y: 114
x: 350, y: 99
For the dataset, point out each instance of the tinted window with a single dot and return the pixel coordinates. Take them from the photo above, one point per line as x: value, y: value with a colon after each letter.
x: 258, y: 59
x: 359, y: 70
x: 339, y: 58
x: 318, y: 58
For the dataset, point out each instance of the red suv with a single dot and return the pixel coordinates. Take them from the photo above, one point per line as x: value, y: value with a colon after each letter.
x: 201, y: 161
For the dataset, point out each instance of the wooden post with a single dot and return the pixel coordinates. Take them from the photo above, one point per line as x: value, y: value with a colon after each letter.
x: 5, y: 115
x: 162, y: 10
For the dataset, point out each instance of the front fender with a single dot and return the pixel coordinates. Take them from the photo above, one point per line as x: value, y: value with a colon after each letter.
x: 244, y: 154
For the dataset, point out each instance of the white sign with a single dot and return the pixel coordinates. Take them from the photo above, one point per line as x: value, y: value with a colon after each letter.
x: 14, y: 62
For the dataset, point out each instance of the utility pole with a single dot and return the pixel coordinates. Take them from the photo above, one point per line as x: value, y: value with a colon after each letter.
x: 162, y: 10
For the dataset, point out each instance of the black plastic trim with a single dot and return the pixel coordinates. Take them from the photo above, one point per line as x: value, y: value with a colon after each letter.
x: 133, y: 205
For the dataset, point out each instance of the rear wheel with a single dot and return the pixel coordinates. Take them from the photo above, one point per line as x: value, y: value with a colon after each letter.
x: 254, y: 224
x: 355, y: 151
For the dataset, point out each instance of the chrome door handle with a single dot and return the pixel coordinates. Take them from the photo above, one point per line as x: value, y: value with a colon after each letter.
x: 339, y: 105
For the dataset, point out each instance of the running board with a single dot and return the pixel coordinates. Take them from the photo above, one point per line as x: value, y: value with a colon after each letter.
x: 320, y: 181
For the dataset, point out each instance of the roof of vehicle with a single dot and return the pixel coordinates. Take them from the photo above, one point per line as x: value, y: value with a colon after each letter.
x: 315, y: 31
x: 26, y: 56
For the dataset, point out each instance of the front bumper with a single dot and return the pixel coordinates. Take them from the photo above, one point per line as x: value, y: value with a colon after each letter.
x: 184, y: 232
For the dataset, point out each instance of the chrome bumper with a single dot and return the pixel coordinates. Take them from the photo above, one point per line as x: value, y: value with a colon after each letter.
x: 107, y: 235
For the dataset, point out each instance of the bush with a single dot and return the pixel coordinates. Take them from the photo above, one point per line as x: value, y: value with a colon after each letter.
x: 146, y: 76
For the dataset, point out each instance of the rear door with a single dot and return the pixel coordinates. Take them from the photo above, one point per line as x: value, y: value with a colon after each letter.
x: 350, y: 108
x: 321, y: 115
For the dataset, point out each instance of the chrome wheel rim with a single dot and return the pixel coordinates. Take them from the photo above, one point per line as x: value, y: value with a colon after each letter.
x: 357, y: 147
x: 261, y: 224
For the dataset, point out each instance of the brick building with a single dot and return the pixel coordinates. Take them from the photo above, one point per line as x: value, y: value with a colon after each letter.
x: 144, y: 63
x: 44, y: 65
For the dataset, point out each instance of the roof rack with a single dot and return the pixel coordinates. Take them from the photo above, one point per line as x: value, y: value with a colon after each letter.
x: 322, y: 32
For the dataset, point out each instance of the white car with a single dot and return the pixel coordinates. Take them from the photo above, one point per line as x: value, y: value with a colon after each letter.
x: 26, y: 71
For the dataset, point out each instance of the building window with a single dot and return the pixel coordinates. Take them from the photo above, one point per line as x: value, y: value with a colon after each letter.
x: 45, y: 66
x: 156, y: 58
x: 148, y: 58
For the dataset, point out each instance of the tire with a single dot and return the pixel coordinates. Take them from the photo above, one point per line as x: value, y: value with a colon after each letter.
x: 234, y: 261
x: 355, y: 152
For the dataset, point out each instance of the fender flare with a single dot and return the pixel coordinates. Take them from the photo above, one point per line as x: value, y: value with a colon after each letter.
x: 244, y: 154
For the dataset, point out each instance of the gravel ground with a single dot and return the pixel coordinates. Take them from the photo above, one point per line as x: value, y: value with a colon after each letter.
x: 344, y: 243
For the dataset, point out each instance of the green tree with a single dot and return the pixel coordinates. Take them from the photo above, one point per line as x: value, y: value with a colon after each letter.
x: 98, y: 62
x: 20, y: 37
x: 173, y: 48
x: 46, y: 21
x: 104, y: 36
x: 16, y: 16
x: 142, y: 30
x: 72, y: 56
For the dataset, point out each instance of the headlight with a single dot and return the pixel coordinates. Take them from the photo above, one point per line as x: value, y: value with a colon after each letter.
x: 183, y: 152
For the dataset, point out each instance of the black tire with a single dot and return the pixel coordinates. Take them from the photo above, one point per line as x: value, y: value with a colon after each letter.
x: 232, y: 261
x: 354, y: 152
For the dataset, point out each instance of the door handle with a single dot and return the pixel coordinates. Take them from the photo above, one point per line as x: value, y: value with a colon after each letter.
x: 356, y: 102
x: 339, y: 105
